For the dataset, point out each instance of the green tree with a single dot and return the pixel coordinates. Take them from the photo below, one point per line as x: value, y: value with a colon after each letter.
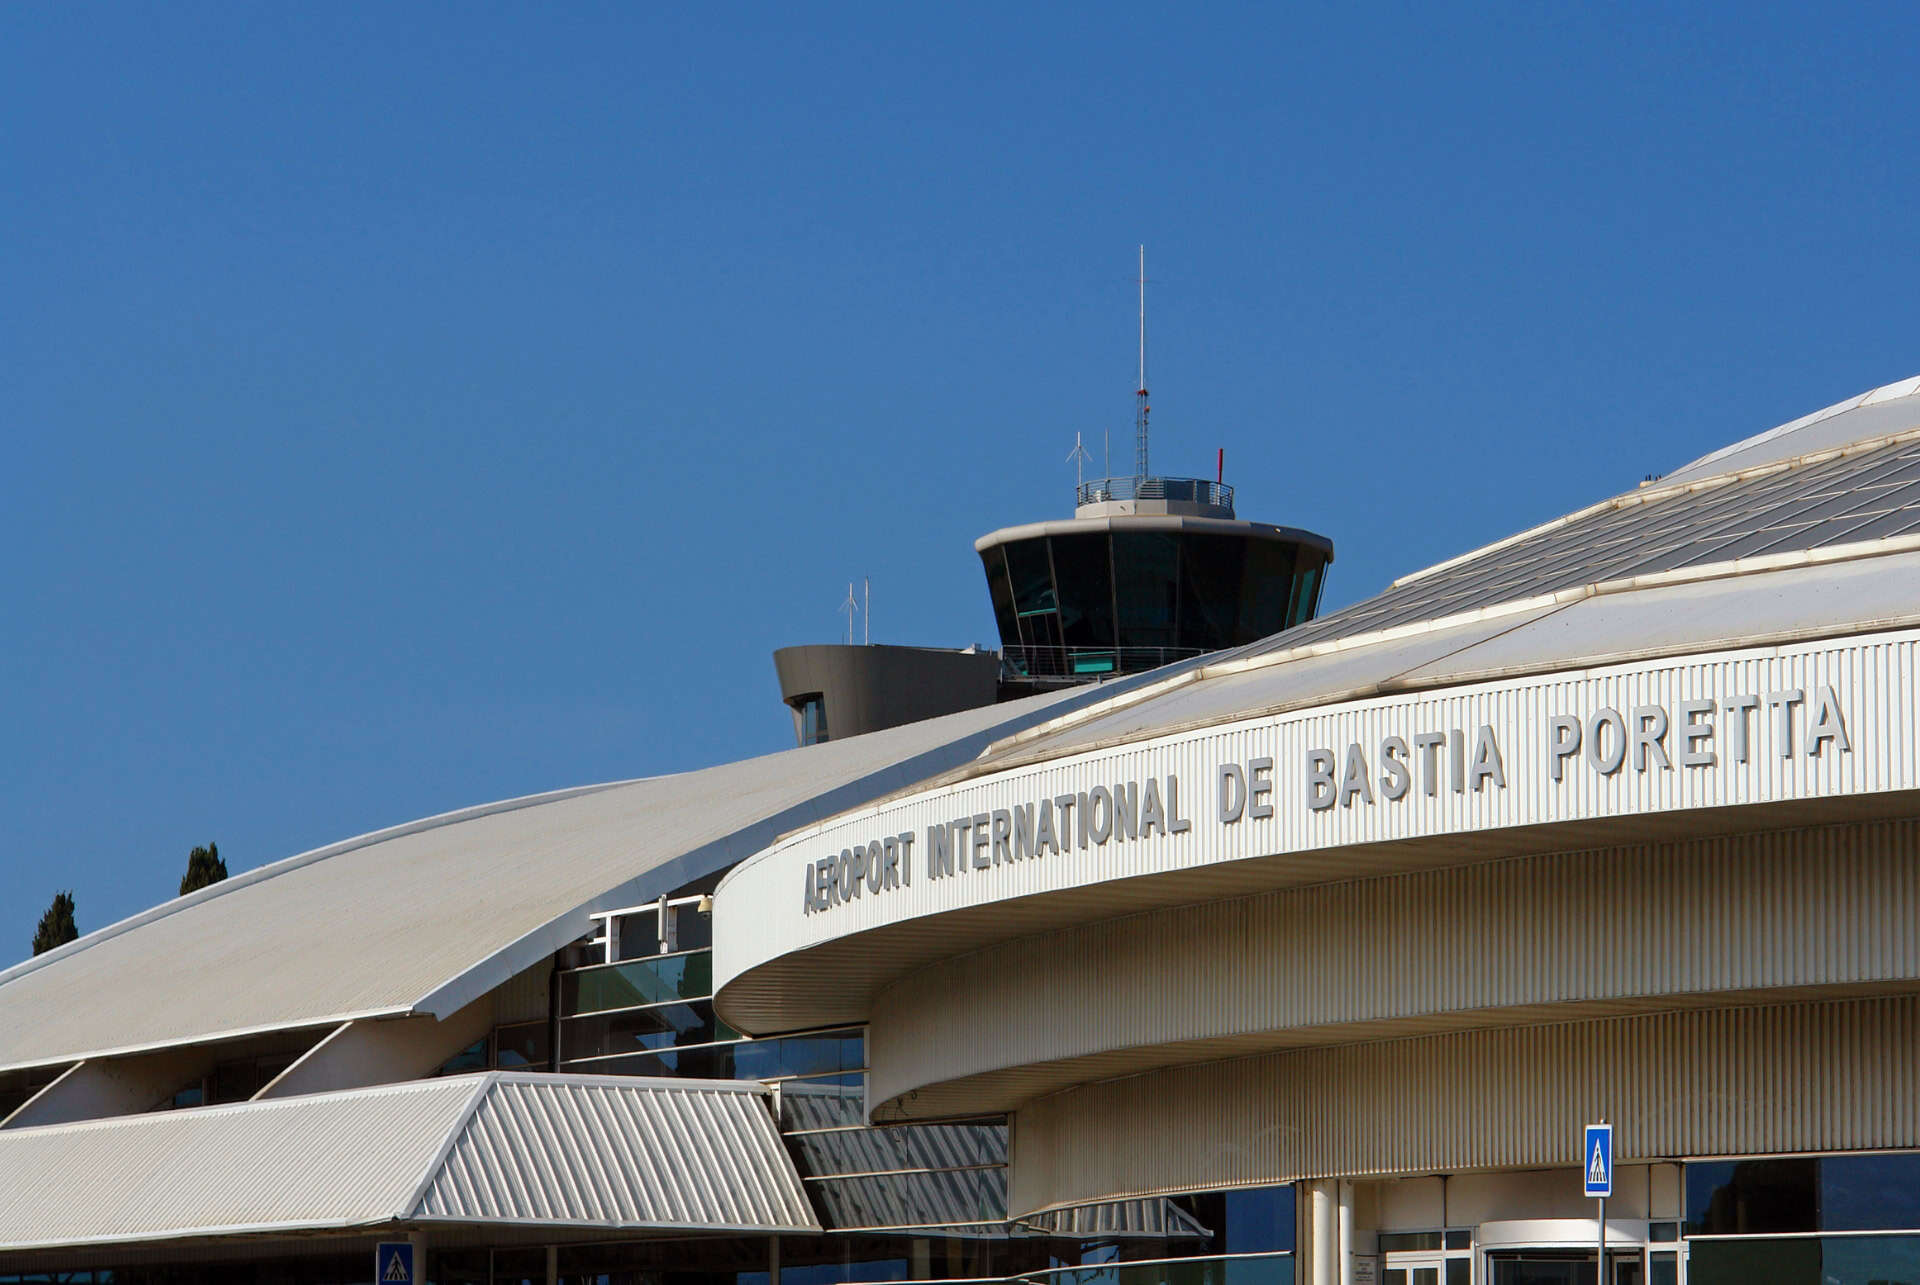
x: 204, y: 866
x: 56, y: 926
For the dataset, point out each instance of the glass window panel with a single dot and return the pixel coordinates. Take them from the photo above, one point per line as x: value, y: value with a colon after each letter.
x: 1211, y: 571
x: 1459, y: 1271
x: 1032, y: 576
x: 1659, y: 1233
x: 1867, y: 1193
x: 1870, y: 1260
x: 1426, y: 1276
x: 1663, y: 1269
x: 524, y: 1045
x: 471, y: 1058
x: 1146, y: 584
x: 1461, y: 1238
x: 693, y: 930
x: 1401, y: 1240
x: 1083, y: 565
x: 639, y: 934
x: 1000, y: 589
x: 654, y: 980
x: 813, y: 731
x: 1313, y: 579
x: 1258, y: 1220
x: 662, y: 1027
x: 1745, y: 1262
x: 1737, y: 1197
x: 913, y: 1200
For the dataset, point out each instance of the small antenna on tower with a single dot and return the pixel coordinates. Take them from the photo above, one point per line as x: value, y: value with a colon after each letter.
x: 1140, y: 407
x: 866, y: 611
x: 850, y: 606
x: 1079, y: 458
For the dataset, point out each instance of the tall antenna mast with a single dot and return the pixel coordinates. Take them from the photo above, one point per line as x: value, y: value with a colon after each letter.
x: 1140, y: 406
x: 852, y: 607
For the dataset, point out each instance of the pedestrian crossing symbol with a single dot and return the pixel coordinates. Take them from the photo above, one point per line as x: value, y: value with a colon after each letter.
x: 1597, y: 1147
x: 393, y: 1263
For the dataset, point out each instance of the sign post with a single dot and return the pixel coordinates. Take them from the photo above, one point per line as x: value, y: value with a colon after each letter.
x: 1596, y: 1146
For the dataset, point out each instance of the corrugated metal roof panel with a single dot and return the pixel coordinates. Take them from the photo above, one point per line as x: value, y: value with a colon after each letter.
x: 618, y: 1153
x: 338, y: 1159
x: 492, y: 1148
x: 434, y: 914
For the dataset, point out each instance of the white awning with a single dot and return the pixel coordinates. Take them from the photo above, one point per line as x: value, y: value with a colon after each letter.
x: 500, y: 1149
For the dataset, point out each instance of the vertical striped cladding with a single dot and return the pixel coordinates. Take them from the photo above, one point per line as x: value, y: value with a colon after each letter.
x: 1809, y: 1077
x: 1632, y: 926
x: 766, y: 928
x: 615, y: 1155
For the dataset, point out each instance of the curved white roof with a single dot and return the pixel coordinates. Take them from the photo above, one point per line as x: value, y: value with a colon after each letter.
x: 1878, y: 412
x: 426, y: 917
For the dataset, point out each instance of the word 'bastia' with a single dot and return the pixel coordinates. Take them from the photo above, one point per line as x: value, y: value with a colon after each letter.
x: 1649, y: 737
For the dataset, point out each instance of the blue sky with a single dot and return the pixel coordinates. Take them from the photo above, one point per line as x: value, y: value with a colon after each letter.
x: 410, y: 406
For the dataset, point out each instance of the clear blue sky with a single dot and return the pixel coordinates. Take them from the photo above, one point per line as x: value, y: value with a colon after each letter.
x: 411, y: 406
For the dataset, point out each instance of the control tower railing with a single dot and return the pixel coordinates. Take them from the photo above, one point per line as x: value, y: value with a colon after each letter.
x: 1191, y: 490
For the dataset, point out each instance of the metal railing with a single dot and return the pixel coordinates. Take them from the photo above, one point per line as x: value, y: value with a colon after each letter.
x: 1196, y: 490
x: 1088, y: 662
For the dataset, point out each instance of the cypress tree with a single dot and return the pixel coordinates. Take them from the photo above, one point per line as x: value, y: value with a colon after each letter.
x: 56, y: 926
x: 204, y: 866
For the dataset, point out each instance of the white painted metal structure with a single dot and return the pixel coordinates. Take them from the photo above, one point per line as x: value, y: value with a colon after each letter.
x: 1618, y: 818
x: 571, y: 1155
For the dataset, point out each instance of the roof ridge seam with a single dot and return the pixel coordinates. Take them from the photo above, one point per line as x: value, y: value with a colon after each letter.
x: 482, y: 1089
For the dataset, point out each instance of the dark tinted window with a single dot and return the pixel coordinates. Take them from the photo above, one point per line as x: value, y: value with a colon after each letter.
x: 1086, y: 589
x: 1211, y: 570
x: 1001, y: 591
x: 522, y: 1045
x: 1728, y: 1197
x: 1268, y: 592
x: 1145, y: 569
x: 1811, y: 1260
x: 1032, y: 578
x: 666, y: 1026
x: 641, y: 981
x: 1802, y: 1194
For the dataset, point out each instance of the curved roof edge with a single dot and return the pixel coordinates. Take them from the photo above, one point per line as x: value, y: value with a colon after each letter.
x: 272, y: 868
x: 1154, y: 522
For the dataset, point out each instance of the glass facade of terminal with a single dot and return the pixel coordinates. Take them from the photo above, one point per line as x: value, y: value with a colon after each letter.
x: 1119, y: 601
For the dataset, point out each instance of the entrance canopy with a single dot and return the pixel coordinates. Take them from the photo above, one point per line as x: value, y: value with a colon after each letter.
x: 498, y: 1150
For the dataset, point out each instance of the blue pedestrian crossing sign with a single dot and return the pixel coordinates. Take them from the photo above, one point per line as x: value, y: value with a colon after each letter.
x: 393, y: 1263
x: 1597, y: 1147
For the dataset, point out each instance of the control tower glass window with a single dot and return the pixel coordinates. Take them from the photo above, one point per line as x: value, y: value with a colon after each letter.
x: 1076, y: 604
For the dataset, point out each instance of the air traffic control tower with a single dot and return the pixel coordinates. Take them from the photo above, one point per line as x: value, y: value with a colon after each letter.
x: 1149, y: 570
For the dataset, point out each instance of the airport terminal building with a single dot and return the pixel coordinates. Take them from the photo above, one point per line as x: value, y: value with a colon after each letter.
x: 1302, y: 960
